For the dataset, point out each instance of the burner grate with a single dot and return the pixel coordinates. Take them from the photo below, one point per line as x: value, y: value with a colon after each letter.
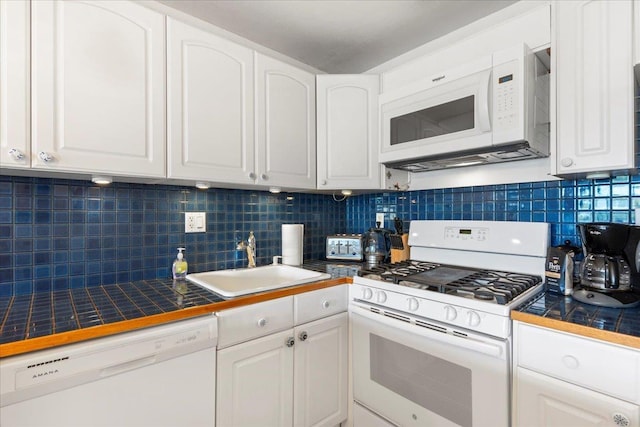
x: 499, y: 287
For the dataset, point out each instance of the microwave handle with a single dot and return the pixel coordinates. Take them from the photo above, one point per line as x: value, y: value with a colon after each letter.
x: 484, y: 87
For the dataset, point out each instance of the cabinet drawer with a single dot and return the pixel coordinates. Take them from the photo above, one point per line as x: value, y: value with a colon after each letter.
x: 314, y: 305
x: 599, y: 366
x: 252, y: 321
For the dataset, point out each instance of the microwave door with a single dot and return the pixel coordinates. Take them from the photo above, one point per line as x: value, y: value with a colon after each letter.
x: 447, y: 118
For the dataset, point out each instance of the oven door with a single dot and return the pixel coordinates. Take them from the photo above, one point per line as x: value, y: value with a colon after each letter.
x: 417, y: 376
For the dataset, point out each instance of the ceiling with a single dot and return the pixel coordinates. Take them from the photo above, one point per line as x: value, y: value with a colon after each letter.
x: 338, y: 36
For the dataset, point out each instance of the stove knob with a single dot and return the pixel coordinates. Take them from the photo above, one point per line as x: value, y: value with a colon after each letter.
x: 450, y: 313
x: 367, y: 293
x: 473, y: 318
x: 381, y: 297
x: 413, y: 304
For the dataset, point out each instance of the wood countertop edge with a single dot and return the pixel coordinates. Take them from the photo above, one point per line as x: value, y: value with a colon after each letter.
x: 584, y: 331
x: 78, y: 335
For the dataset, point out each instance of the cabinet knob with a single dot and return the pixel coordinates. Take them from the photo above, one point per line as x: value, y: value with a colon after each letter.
x: 290, y: 342
x: 303, y: 336
x: 252, y: 175
x: 323, y: 182
x: 45, y: 157
x: 570, y: 361
x: 262, y: 322
x: 264, y: 177
x: 16, y: 154
x: 325, y: 304
x: 566, y: 162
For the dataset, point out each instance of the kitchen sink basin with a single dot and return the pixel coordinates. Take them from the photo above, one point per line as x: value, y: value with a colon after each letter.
x: 243, y: 281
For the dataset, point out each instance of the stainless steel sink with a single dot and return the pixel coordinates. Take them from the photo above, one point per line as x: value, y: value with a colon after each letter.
x: 243, y: 281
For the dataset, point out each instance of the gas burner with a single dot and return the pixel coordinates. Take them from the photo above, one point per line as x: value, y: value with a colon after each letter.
x: 499, y: 287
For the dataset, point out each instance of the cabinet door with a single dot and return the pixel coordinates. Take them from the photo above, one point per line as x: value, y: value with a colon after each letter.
x: 286, y: 131
x: 595, y: 89
x: 210, y: 107
x: 14, y: 84
x: 542, y: 401
x: 348, y: 132
x: 255, y: 383
x: 98, y: 85
x: 321, y: 372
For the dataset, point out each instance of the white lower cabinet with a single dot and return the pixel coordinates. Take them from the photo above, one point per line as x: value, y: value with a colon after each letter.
x: 294, y: 377
x: 546, y: 401
x: 255, y: 383
x: 564, y: 380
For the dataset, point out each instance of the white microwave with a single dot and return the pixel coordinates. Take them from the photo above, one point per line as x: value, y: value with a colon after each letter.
x: 494, y: 109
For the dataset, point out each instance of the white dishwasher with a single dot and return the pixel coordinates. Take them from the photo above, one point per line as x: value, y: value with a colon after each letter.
x: 158, y: 376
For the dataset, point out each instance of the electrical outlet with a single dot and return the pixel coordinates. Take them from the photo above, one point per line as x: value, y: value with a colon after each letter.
x: 380, y: 219
x: 195, y: 222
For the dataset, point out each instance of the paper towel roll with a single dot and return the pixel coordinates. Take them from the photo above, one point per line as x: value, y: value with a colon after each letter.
x: 292, y: 241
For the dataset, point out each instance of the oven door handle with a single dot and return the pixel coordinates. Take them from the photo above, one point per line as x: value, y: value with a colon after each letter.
x: 468, y: 342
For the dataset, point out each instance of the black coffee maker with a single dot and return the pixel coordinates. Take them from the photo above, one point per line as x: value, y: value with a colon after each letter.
x: 609, y: 271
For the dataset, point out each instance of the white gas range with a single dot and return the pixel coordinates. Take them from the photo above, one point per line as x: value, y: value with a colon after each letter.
x: 431, y: 339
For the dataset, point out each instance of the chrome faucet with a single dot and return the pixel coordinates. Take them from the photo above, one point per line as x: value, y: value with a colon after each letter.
x: 250, y: 246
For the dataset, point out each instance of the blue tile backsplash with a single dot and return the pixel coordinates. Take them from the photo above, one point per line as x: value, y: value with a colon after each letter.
x: 561, y: 203
x: 60, y: 234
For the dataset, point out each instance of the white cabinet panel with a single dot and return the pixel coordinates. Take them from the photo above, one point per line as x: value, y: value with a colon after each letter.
x: 14, y: 84
x: 255, y: 383
x: 98, y: 86
x: 321, y: 372
x: 285, y: 124
x: 348, y: 132
x: 210, y: 107
x: 546, y: 402
x: 595, y: 86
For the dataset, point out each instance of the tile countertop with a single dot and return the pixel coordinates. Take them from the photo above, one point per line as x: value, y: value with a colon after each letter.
x: 44, y: 320
x: 563, y: 313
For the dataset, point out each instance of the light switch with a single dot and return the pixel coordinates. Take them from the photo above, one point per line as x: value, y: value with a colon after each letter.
x: 195, y: 222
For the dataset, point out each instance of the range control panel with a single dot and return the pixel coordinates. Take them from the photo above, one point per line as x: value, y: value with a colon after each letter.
x: 463, y: 234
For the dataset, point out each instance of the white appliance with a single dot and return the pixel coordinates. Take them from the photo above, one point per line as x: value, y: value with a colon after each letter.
x: 159, y: 376
x: 432, y: 336
x: 493, y: 109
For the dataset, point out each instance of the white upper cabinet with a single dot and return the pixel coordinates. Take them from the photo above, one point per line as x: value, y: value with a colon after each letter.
x: 285, y: 125
x: 595, y: 86
x: 348, y: 132
x: 98, y: 85
x: 210, y: 107
x: 14, y: 84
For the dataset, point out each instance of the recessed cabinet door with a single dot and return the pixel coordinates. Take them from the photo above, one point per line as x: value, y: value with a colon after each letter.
x: 14, y: 84
x: 595, y: 87
x: 210, y: 107
x: 98, y: 87
x: 321, y: 372
x: 348, y: 132
x: 286, y: 118
x: 542, y: 401
x: 255, y: 383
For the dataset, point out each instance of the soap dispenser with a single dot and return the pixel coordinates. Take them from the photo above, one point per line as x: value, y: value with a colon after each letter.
x: 180, y: 266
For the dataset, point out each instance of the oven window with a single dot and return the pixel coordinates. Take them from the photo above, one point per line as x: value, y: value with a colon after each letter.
x: 433, y: 383
x: 442, y: 119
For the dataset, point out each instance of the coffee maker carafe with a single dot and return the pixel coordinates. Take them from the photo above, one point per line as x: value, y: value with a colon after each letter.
x: 606, y: 274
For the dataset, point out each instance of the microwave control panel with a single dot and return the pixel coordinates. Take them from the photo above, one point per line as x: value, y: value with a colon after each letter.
x: 506, y: 96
